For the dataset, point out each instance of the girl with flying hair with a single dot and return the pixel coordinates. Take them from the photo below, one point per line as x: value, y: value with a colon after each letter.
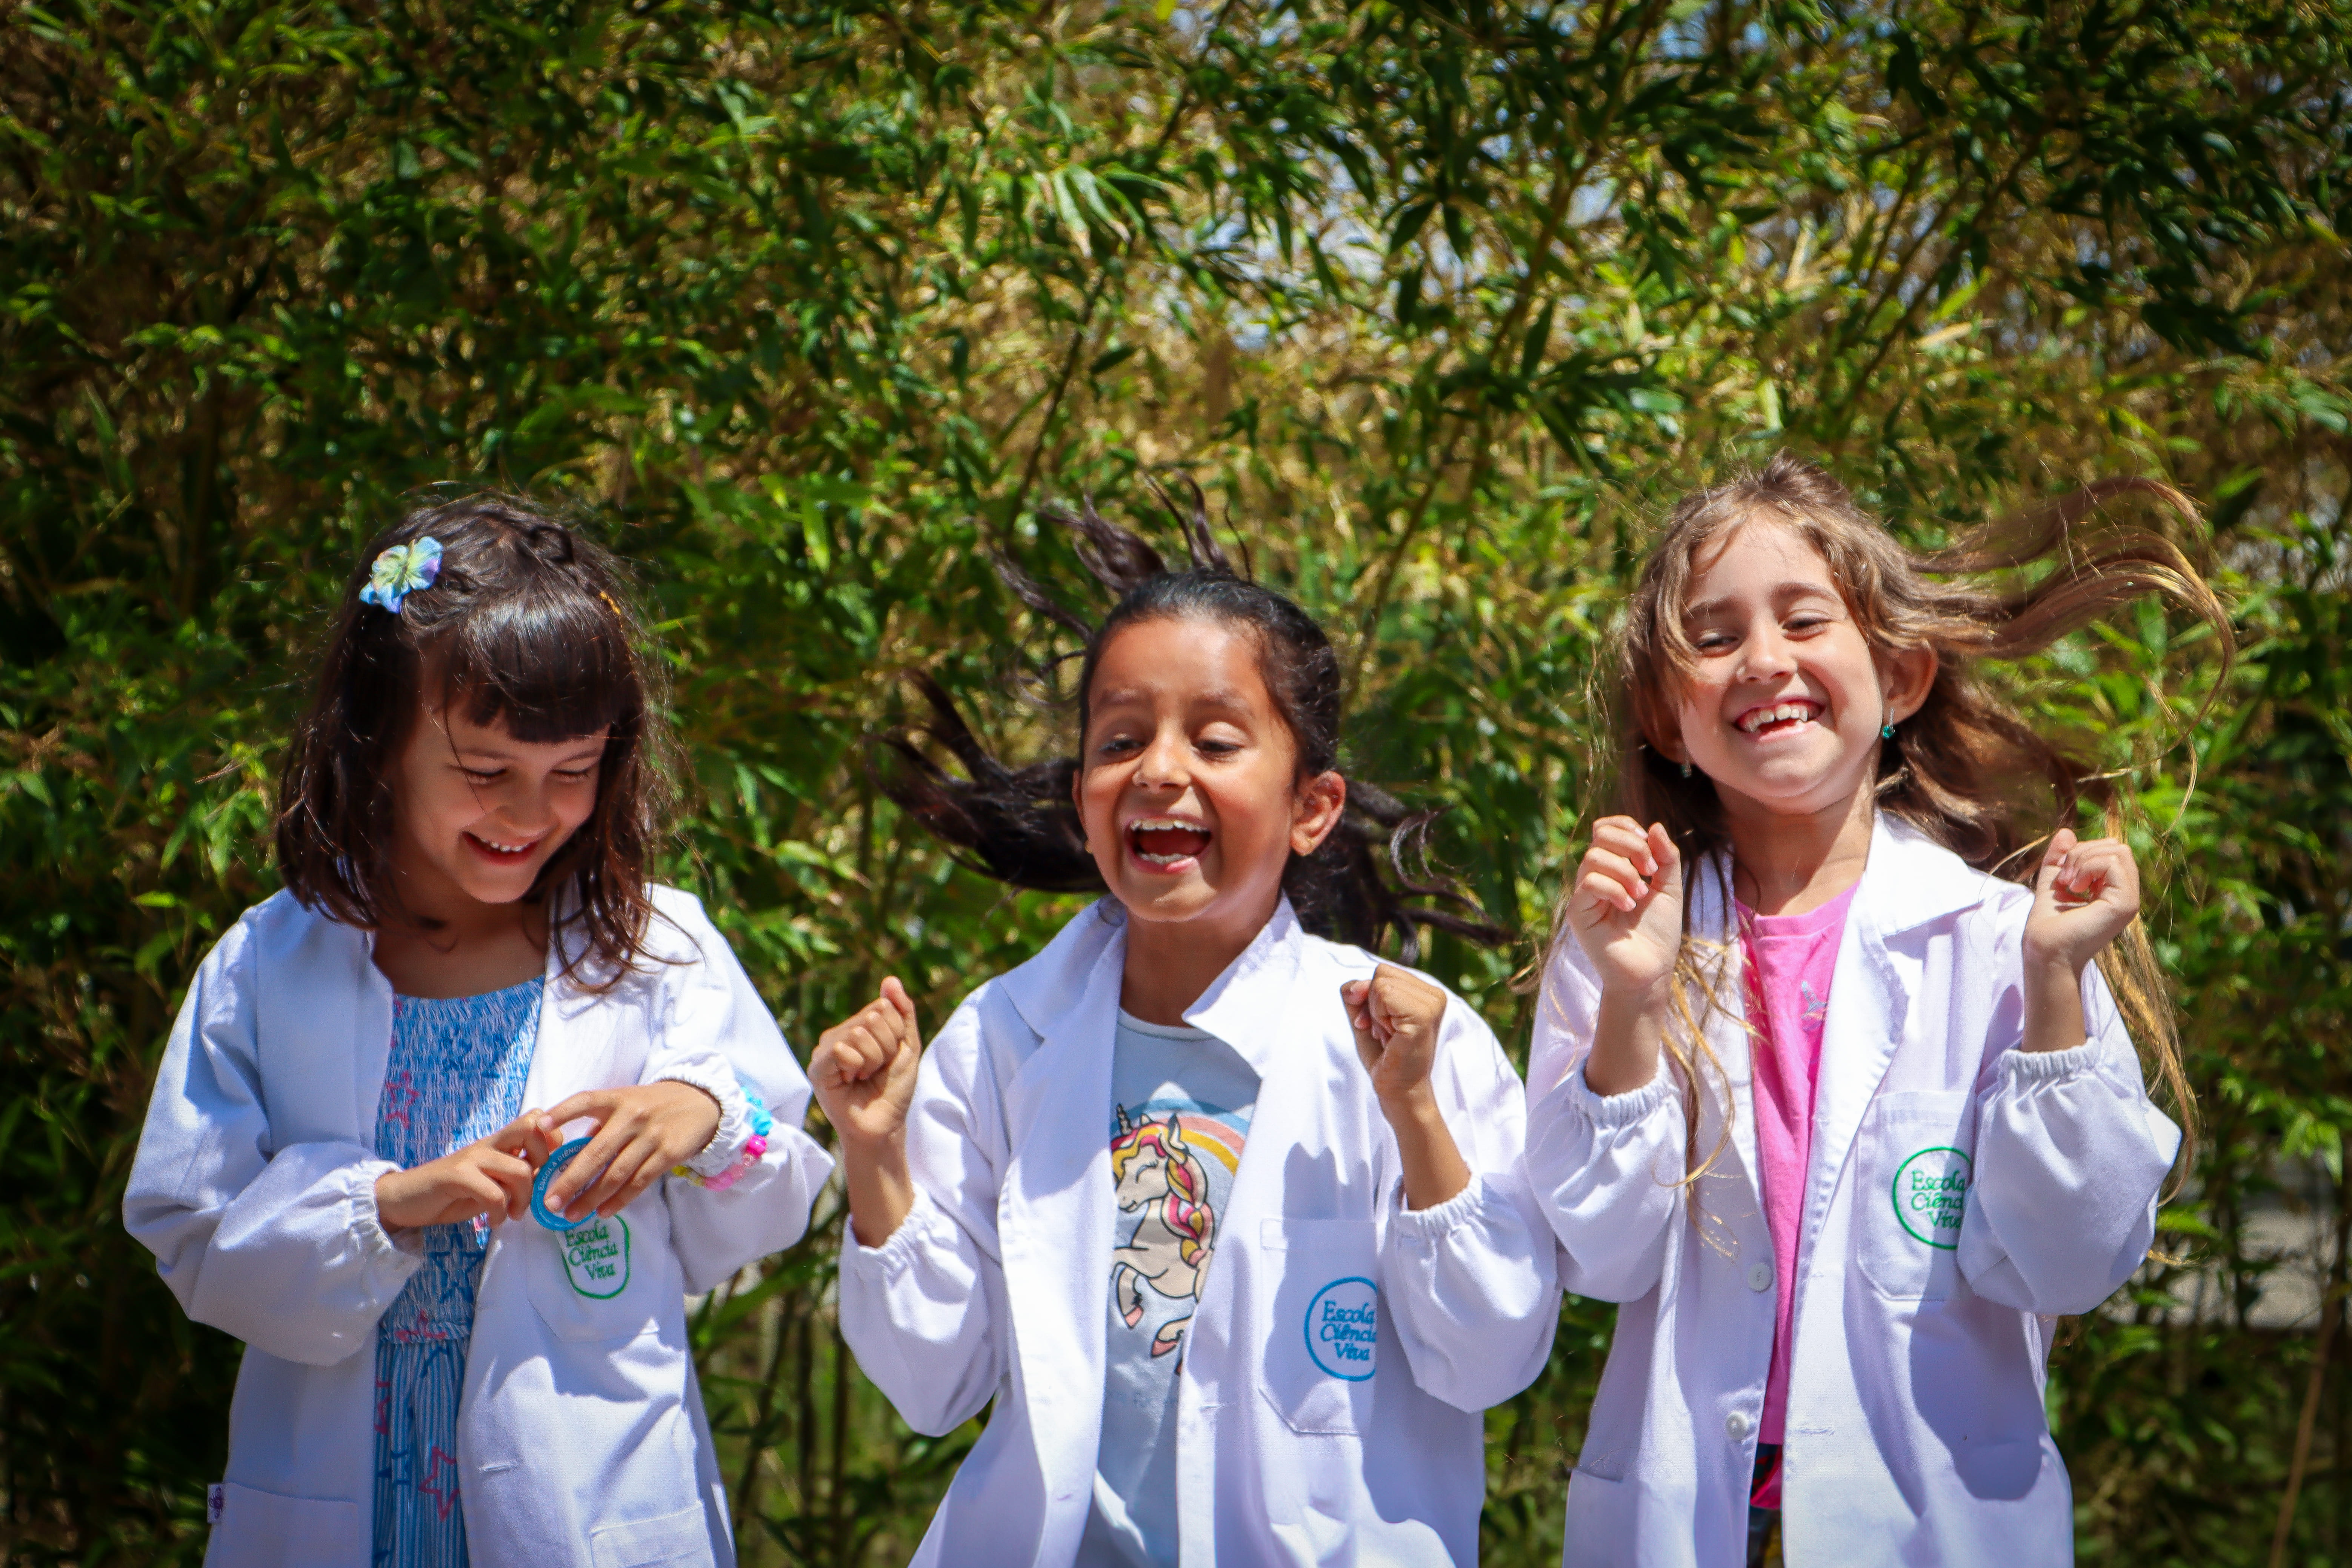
x: 1223, y: 1213
x: 1834, y: 1082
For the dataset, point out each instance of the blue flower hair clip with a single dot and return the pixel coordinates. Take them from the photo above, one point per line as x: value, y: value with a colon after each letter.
x: 403, y: 570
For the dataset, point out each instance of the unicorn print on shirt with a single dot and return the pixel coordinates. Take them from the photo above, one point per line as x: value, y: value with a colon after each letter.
x: 1161, y: 1170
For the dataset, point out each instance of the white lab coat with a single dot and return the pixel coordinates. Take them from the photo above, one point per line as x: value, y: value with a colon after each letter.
x: 995, y: 1287
x: 581, y: 1435
x: 1916, y: 1430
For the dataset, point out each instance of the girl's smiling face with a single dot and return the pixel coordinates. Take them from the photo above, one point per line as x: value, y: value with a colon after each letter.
x: 1188, y: 782
x: 1784, y: 711
x: 478, y: 813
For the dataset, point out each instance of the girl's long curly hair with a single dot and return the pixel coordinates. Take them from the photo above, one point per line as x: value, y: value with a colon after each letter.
x: 1019, y: 824
x: 1967, y: 770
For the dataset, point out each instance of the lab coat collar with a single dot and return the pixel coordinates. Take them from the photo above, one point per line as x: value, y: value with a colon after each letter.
x: 1253, y: 990
x: 1236, y: 1007
x: 1909, y: 880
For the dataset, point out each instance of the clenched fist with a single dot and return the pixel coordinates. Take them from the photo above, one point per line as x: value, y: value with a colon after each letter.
x: 1396, y: 1017
x: 863, y: 1069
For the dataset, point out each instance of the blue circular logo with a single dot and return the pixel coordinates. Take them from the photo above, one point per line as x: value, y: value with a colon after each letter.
x: 1343, y: 1328
x: 547, y: 1172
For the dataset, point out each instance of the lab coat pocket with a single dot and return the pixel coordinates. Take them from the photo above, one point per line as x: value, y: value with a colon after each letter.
x: 680, y: 1540
x: 1321, y: 1327
x: 591, y: 1282
x: 1916, y: 1153
x: 263, y: 1529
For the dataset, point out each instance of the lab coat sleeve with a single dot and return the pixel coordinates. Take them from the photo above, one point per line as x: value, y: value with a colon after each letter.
x: 280, y: 1247
x: 2071, y: 1158
x: 917, y: 1311
x: 1472, y: 1286
x: 1606, y: 1170
x: 718, y: 1034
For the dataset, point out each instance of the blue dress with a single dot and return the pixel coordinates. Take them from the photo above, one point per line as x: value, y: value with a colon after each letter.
x: 457, y: 1075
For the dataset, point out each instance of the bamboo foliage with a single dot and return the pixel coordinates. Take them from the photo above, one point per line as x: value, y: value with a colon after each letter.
x: 808, y: 305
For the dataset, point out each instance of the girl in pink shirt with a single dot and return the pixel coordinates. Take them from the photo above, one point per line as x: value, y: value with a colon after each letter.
x: 1826, y: 1087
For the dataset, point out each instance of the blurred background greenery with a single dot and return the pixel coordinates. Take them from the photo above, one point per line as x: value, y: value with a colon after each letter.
x: 809, y: 305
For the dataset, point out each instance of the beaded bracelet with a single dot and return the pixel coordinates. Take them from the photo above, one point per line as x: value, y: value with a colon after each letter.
x: 753, y: 1147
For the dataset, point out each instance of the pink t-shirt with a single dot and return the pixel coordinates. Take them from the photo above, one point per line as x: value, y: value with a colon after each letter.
x: 1789, y: 961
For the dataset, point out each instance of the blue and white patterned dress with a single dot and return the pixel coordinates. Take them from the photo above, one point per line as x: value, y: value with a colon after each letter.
x: 457, y: 1075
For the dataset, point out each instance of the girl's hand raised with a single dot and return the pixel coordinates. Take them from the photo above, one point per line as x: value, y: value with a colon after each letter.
x: 1396, y: 1016
x: 1627, y: 906
x: 489, y: 1176
x: 863, y: 1071
x: 2087, y: 892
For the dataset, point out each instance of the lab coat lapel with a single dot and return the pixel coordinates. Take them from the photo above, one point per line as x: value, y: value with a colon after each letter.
x: 1722, y: 1006
x: 1258, y: 1008
x: 1056, y: 1214
x: 573, y: 1048
x: 1907, y: 882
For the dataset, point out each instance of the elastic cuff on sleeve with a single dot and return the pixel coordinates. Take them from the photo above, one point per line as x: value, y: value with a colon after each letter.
x: 726, y: 1146
x: 377, y: 1243
x: 1617, y: 1109
x: 2050, y: 1066
x: 1429, y: 1224
x: 897, y: 1250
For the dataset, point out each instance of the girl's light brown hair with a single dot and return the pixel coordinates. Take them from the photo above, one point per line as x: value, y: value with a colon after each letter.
x: 1966, y: 769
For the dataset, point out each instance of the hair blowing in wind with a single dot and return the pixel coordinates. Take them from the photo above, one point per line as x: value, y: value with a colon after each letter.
x: 1966, y: 769
x: 1019, y: 826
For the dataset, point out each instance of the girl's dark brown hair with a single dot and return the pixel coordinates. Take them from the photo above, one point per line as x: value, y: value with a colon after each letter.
x: 1966, y: 769
x: 1019, y: 826
x: 527, y: 625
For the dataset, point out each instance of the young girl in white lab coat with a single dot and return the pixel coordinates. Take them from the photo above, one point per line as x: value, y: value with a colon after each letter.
x: 464, y: 1342
x: 1843, y: 1118
x: 1224, y: 1216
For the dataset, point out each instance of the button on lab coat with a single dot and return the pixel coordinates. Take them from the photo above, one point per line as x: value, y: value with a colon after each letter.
x: 581, y: 1436
x: 996, y: 1285
x: 1961, y: 1192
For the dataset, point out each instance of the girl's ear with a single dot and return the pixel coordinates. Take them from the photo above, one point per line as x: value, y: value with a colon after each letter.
x: 1907, y: 675
x: 1321, y: 801
x: 1669, y: 747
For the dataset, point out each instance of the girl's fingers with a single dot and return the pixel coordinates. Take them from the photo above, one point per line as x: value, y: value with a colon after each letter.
x: 1604, y: 893
x: 630, y: 1174
x: 1618, y: 870
x: 597, y: 1103
x: 1665, y: 858
x: 1625, y: 838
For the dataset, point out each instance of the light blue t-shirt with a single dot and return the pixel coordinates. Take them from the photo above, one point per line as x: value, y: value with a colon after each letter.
x: 1182, y: 1102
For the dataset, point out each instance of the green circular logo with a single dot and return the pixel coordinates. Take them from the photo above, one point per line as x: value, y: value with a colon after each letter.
x: 1931, y: 1193
x: 596, y: 1256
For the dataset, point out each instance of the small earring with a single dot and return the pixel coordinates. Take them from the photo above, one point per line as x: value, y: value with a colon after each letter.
x: 1686, y: 771
x: 1887, y: 732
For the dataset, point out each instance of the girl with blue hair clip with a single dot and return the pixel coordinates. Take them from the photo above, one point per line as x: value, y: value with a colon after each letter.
x: 340, y: 1125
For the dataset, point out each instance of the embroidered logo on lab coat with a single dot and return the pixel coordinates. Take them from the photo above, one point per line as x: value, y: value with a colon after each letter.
x: 1343, y: 1327
x: 596, y: 1257
x: 1931, y: 1193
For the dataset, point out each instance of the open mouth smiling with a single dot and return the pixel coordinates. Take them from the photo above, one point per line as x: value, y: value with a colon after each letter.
x: 1778, y: 717
x: 1166, y: 842
x: 501, y: 852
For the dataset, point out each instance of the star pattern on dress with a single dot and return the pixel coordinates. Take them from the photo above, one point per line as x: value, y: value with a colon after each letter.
x: 443, y: 1493
x: 456, y: 1073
